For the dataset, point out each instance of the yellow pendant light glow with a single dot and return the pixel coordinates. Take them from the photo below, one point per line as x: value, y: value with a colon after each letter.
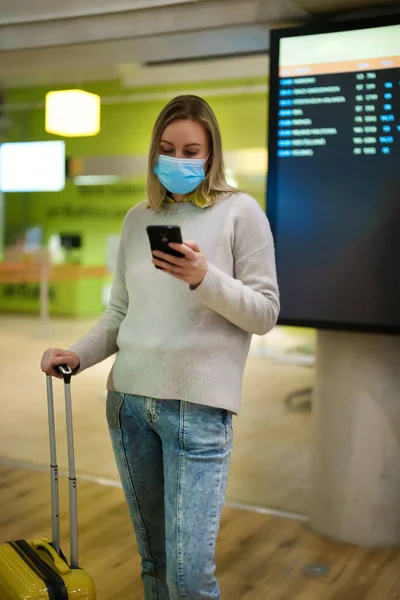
x: 72, y: 113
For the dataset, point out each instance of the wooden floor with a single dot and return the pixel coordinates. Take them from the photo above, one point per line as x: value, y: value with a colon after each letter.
x: 272, y: 446
x: 259, y: 557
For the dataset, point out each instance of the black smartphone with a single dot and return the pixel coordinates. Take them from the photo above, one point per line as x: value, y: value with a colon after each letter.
x: 160, y: 236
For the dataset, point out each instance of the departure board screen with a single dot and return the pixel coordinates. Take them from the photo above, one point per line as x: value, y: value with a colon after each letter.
x: 334, y: 175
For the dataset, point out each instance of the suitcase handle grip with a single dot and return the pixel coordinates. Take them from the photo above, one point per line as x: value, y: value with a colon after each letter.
x: 65, y: 371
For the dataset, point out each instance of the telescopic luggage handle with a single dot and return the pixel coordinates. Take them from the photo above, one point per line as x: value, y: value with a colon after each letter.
x: 66, y: 372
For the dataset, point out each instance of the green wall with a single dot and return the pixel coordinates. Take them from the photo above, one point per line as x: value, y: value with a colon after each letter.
x: 97, y: 212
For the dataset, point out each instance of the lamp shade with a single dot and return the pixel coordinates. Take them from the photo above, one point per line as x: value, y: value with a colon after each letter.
x: 72, y: 113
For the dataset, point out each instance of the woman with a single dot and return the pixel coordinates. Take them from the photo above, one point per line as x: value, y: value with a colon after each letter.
x: 182, y: 334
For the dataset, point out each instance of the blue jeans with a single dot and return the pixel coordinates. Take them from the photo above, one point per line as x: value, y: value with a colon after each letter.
x: 173, y: 459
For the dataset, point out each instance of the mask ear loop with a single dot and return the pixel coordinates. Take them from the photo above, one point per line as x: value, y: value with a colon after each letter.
x: 205, y: 163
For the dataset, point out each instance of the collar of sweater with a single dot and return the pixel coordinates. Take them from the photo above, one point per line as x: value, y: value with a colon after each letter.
x: 179, y: 207
x: 193, y: 198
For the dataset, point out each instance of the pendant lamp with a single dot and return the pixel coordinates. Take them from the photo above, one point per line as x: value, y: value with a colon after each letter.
x: 72, y: 113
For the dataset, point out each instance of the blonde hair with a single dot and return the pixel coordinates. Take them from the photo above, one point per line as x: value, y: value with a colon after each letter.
x: 195, y: 109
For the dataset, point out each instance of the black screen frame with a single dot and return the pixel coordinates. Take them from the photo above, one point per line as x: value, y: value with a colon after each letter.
x: 272, y: 192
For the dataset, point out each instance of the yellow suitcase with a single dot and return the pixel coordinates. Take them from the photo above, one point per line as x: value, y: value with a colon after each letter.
x: 38, y: 570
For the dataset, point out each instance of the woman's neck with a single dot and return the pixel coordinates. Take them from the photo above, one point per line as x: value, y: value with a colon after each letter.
x: 178, y: 197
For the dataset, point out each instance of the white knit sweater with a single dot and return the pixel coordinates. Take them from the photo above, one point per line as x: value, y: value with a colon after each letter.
x: 174, y: 343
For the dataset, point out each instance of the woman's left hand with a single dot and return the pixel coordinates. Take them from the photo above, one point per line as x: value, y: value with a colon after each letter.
x: 192, y: 268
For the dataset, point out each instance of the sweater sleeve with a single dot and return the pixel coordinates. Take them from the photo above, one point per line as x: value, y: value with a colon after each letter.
x: 101, y: 341
x: 250, y: 299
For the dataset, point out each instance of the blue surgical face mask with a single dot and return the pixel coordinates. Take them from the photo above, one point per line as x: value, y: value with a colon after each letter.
x: 180, y: 175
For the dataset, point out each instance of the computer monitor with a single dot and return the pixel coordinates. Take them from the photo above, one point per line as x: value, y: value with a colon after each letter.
x: 70, y: 241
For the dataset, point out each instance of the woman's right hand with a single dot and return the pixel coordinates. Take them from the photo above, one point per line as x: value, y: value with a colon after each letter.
x: 53, y: 357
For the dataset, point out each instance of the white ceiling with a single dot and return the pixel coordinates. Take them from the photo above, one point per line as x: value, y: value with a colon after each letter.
x: 25, y: 11
x: 54, y: 41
